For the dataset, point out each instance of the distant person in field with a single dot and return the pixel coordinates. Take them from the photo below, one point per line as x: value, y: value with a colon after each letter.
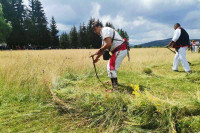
x: 191, y: 42
x: 180, y: 42
x: 196, y: 46
x: 113, y: 42
x: 193, y: 46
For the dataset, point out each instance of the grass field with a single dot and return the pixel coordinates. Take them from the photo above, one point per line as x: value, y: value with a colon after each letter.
x: 151, y: 97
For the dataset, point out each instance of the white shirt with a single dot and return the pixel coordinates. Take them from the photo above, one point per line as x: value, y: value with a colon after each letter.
x: 197, y: 43
x: 177, y: 34
x: 108, y: 32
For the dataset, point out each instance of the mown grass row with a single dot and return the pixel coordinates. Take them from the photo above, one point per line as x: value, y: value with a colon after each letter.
x: 165, y: 103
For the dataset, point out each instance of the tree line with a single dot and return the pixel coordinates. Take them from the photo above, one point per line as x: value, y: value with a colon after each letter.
x: 27, y: 27
x: 84, y: 37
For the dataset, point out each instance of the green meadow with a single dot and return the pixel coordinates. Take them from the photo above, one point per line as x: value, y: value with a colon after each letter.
x: 57, y: 91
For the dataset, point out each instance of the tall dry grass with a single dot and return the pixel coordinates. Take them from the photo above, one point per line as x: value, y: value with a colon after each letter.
x: 149, y: 57
x: 33, y: 69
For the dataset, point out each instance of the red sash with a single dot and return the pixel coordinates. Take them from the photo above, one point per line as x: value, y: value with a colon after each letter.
x: 113, y: 57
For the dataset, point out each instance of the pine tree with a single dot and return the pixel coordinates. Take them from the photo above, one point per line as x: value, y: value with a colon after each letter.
x: 54, y: 32
x: 41, y: 34
x: 94, y: 39
x: 73, y: 36
x: 64, y: 41
x: 15, y: 12
x: 28, y: 26
x: 5, y: 28
x: 83, y: 36
x: 8, y: 10
x: 123, y: 34
x: 126, y: 35
x: 108, y: 24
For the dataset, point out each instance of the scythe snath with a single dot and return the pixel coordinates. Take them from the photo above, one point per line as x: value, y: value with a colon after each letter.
x: 96, y: 72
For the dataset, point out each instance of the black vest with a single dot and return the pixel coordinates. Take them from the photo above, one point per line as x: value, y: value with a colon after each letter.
x: 183, y: 39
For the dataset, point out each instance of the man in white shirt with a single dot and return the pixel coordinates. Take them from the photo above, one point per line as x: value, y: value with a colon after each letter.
x: 112, y: 41
x: 180, y: 42
x: 196, y: 46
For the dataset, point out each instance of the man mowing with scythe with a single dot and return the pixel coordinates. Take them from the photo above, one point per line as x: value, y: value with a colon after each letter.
x: 180, y: 42
x: 111, y: 41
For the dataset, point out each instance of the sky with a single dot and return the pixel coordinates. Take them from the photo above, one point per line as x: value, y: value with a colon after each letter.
x: 143, y: 20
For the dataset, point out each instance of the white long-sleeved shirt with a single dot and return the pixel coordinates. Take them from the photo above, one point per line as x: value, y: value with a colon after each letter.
x: 177, y: 34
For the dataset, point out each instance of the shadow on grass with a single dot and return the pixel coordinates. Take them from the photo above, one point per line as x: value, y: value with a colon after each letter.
x: 193, y: 71
x: 195, y: 64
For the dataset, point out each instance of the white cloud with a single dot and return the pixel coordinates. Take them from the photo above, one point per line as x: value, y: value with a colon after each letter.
x: 143, y: 29
x: 62, y: 27
x: 194, y: 33
x: 95, y: 10
x: 138, y: 41
x: 193, y: 15
x: 95, y: 13
x: 138, y: 22
x: 118, y: 21
x: 149, y: 4
x: 105, y: 18
x: 153, y: 4
x: 148, y: 36
x: 62, y: 12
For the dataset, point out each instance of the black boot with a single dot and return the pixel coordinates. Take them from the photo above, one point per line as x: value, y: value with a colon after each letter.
x: 114, y: 83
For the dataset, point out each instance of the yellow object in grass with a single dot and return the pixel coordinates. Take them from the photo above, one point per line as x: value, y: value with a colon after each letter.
x: 136, y: 90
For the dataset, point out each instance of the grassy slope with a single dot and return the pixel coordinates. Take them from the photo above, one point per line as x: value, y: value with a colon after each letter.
x: 168, y: 101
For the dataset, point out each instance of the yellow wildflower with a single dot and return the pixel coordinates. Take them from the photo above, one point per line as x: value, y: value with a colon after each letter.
x: 134, y: 92
x: 137, y: 88
x: 132, y: 86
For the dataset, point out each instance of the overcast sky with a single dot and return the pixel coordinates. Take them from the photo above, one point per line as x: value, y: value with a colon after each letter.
x: 144, y: 20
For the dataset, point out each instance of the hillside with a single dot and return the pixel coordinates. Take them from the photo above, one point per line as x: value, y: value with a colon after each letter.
x: 159, y: 43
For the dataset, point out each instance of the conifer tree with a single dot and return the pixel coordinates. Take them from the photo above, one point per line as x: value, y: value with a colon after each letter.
x: 94, y: 39
x: 8, y: 10
x: 54, y: 32
x: 28, y: 26
x: 5, y: 28
x: 123, y: 33
x: 83, y: 36
x: 108, y: 24
x: 73, y: 37
x: 14, y: 13
x: 41, y: 33
x: 64, y: 41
